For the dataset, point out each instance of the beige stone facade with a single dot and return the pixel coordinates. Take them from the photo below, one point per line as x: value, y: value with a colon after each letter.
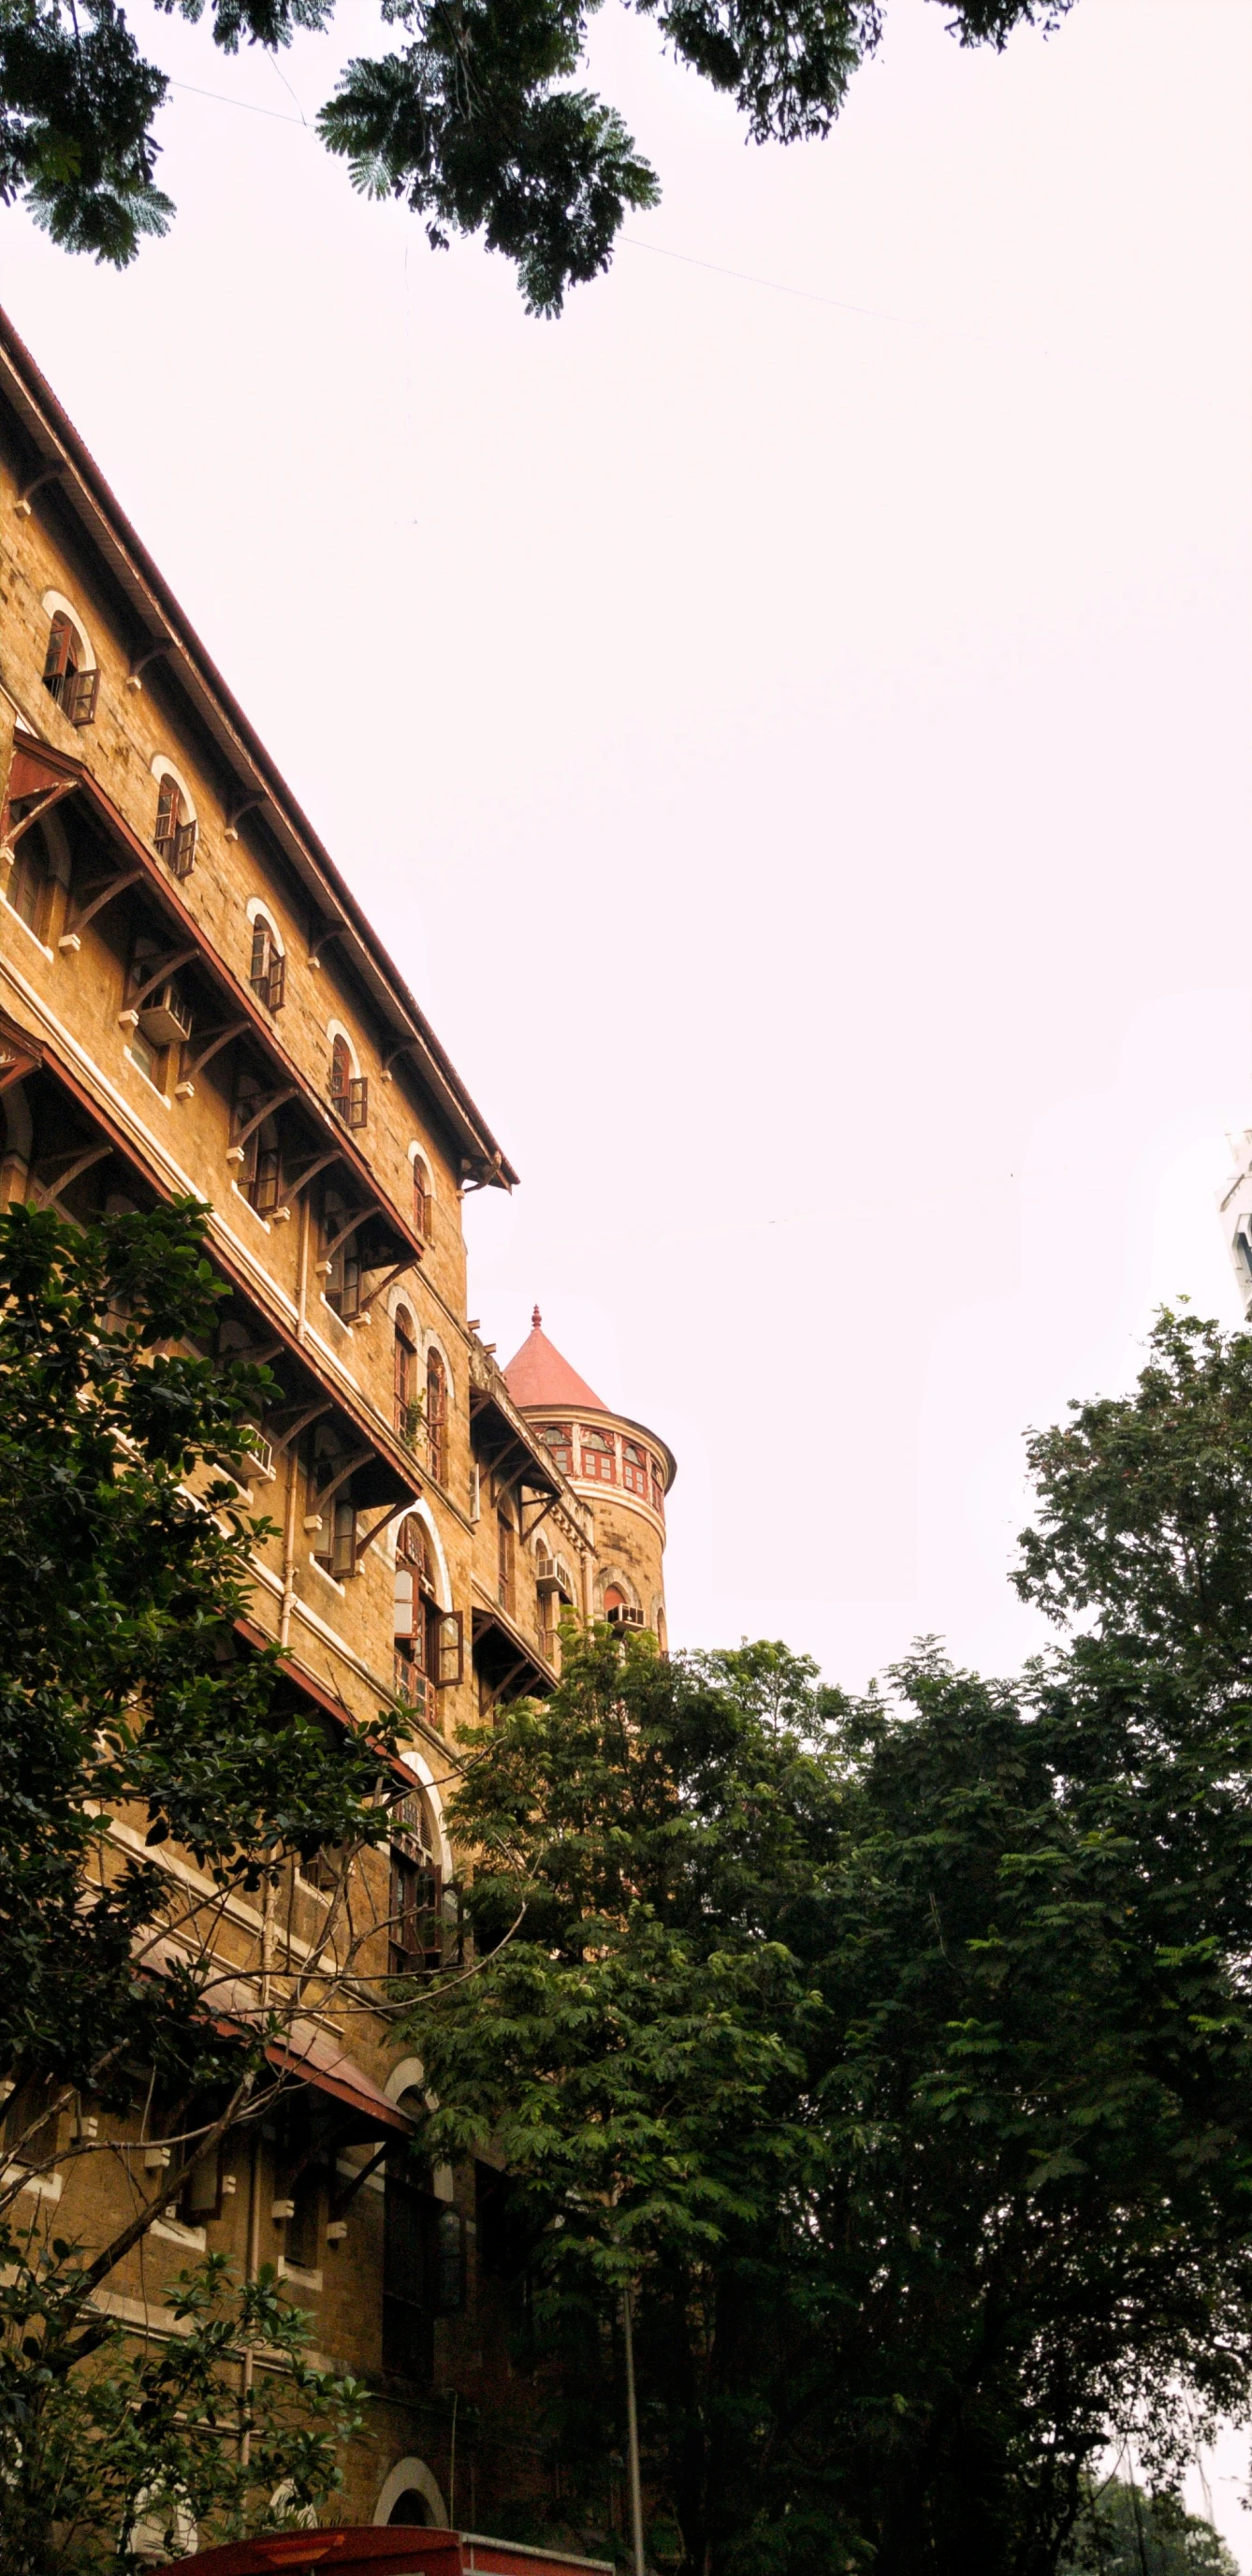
x: 192, y: 1003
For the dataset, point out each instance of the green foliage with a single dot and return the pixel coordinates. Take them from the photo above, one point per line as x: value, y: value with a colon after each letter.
x: 899, y: 2050
x: 125, y: 1564
x: 146, y: 2440
x: 477, y: 122
x: 1123, y: 2532
x: 119, y: 1684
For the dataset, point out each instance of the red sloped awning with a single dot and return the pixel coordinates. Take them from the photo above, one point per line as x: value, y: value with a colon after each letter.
x: 309, y: 2053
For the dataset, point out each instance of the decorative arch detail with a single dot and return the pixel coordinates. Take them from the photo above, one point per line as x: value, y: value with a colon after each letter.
x: 259, y: 907
x: 55, y: 604
x: 165, y: 768
x: 411, y: 2476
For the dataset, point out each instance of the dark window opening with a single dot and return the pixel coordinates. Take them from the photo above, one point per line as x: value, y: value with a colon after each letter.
x: 30, y: 883
x: 175, y: 834
x: 437, y: 1417
x: 407, y: 1413
x: 268, y: 973
x: 64, y: 676
x: 349, y: 1091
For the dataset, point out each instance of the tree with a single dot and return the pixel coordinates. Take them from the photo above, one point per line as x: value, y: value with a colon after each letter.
x: 124, y: 1699
x: 103, y: 2462
x: 899, y: 2051
x: 475, y: 121
x: 1124, y: 2532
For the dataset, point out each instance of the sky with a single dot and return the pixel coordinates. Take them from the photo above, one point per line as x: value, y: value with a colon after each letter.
x: 789, y: 720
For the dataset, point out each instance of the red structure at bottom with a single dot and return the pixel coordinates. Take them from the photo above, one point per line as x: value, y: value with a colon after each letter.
x: 366, y: 2550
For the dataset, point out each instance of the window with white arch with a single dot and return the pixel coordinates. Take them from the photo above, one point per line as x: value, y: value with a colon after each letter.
x: 349, y: 1088
x: 621, y: 1606
x: 423, y: 1195
x: 70, y: 673
x: 177, y: 829
x: 429, y: 1639
x: 267, y: 972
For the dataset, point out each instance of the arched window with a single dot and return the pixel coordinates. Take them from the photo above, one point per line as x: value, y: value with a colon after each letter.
x: 405, y: 1374
x: 257, y: 1148
x: 68, y: 674
x: 423, y: 1204
x: 342, y: 1267
x: 635, y: 1469
x: 599, y: 1457
x: 175, y: 834
x: 268, y: 971
x: 349, y: 1091
x: 428, y: 1640
x: 559, y: 1437
x: 437, y: 1417
x: 619, y: 1610
x: 416, y: 1925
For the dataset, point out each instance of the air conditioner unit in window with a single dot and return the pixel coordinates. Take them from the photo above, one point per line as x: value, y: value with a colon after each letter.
x: 623, y: 1616
x: 258, y: 1452
x: 165, y: 1018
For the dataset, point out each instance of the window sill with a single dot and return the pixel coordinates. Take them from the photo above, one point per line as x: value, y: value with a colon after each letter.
x: 245, y: 1201
x: 295, y: 2272
x: 175, y: 2233
x: 324, y: 1577
x: 146, y: 1077
x: 44, y: 2186
x: 28, y: 933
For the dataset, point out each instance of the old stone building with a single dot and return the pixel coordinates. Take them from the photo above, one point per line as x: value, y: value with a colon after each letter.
x: 192, y: 1002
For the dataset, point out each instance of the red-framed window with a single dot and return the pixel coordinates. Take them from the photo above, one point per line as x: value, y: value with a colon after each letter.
x: 559, y: 1438
x: 599, y: 1457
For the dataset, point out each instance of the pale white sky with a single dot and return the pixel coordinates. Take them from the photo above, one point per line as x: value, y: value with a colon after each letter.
x: 795, y: 743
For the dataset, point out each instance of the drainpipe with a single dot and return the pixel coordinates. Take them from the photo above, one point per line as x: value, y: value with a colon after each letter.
x: 293, y: 1468
x: 632, y: 2440
x: 252, y: 2263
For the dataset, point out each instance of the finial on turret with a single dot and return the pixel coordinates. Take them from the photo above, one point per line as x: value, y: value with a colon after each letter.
x: 536, y: 1319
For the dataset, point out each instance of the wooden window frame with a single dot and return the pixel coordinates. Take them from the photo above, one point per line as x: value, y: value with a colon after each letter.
x: 74, y: 688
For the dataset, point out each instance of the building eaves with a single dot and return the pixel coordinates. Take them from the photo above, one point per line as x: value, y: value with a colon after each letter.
x: 61, y: 456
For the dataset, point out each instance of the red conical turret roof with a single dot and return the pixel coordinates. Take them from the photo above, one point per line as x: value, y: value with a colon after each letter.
x: 538, y: 1378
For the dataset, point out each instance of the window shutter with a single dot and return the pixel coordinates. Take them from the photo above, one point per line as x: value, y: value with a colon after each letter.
x: 260, y: 952
x: 451, y: 1649
x: 358, y: 1100
x: 277, y: 994
x: 403, y: 1614
x: 57, y: 661
x: 183, y: 849
x: 78, y: 696
x: 167, y: 813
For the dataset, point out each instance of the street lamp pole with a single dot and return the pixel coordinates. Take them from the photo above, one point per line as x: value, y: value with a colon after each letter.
x: 632, y: 2439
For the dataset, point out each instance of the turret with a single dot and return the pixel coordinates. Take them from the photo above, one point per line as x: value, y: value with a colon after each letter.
x: 623, y: 1470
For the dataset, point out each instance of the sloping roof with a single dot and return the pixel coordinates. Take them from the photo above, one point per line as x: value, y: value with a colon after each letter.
x: 59, y: 459
x: 538, y: 1376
